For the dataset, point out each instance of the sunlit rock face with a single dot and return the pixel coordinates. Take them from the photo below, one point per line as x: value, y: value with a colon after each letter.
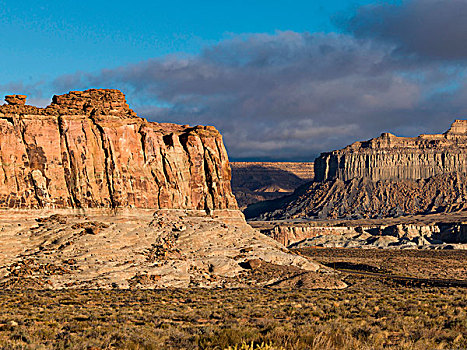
x: 390, y: 157
x: 88, y: 149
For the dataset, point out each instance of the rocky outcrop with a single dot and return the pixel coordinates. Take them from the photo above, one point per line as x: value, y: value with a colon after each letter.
x: 391, y: 157
x: 88, y: 149
x: 258, y: 181
x: 141, y: 248
x: 96, y: 197
x: 16, y: 99
x: 402, y: 236
x: 349, y: 234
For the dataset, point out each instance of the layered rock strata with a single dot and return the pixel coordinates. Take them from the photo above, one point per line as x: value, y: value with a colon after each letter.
x: 392, y: 157
x: 433, y: 236
x: 88, y: 149
x: 384, y: 177
x: 96, y: 197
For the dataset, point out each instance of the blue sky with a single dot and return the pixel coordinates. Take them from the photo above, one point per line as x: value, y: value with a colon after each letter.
x: 282, y: 80
x: 44, y: 39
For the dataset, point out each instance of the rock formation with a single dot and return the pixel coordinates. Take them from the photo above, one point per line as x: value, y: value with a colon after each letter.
x: 392, y: 157
x: 438, y: 235
x: 93, y: 196
x: 258, y: 181
x: 387, y: 176
x: 140, y: 248
x: 89, y: 149
x: 363, y: 198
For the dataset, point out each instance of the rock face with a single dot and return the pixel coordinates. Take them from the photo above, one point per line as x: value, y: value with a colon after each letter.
x: 392, y: 157
x: 387, y: 176
x: 114, y: 201
x: 258, y: 181
x: 88, y: 149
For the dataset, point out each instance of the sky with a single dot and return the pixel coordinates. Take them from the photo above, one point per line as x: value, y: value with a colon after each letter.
x: 281, y: 80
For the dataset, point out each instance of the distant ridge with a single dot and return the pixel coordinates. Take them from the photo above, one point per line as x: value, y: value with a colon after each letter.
x: 393, y: 157
x: 258, y: 181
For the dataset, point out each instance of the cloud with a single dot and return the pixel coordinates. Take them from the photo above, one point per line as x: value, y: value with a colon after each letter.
x: 290, y: 96
x: 430, y: 29
x: 285, y: 95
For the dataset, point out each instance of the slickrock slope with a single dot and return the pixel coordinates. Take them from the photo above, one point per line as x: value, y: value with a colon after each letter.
x: 258, y: 181
x: 140, y: 248
x: 392, y: 157
x: 89, y: 149
x: 92, y: 196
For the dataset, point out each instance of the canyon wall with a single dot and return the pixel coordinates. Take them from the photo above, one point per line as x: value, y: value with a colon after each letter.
x: 88, y: 149
x: 392, y: 157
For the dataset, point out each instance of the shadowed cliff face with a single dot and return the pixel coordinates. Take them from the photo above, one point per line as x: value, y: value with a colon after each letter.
x: 89, y: 149
x: 363, y: 198
x: 258, y: 181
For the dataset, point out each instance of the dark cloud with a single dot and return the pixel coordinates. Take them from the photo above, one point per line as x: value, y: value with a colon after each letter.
x: 285, y: 96
x: 430, y: 29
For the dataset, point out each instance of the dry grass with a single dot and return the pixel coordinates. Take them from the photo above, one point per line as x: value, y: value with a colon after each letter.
x: 370, y: 314
x: 420, y: 263
x: 357, y: 318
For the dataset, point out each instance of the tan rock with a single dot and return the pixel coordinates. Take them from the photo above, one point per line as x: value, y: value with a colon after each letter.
x: 91, y: 174
x: 126, y: 248
x: 16, y: 99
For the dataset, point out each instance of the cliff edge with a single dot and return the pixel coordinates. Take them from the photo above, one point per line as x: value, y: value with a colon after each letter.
x: 387, y: 176
x: 390, y: 157
x: 159, y: 207
x: 88, y: 149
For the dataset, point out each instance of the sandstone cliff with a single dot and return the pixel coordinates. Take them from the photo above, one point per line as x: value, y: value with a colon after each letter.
x: 392, y: 157
x: 159, y: 208
x: 387, y: 176
x: 88, y: 149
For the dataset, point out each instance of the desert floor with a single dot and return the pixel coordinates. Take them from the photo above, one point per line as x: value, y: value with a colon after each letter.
x: 376, y: 311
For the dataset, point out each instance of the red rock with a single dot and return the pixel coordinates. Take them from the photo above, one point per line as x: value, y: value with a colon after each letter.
x: 89, y: 149
x: 16, y: 99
